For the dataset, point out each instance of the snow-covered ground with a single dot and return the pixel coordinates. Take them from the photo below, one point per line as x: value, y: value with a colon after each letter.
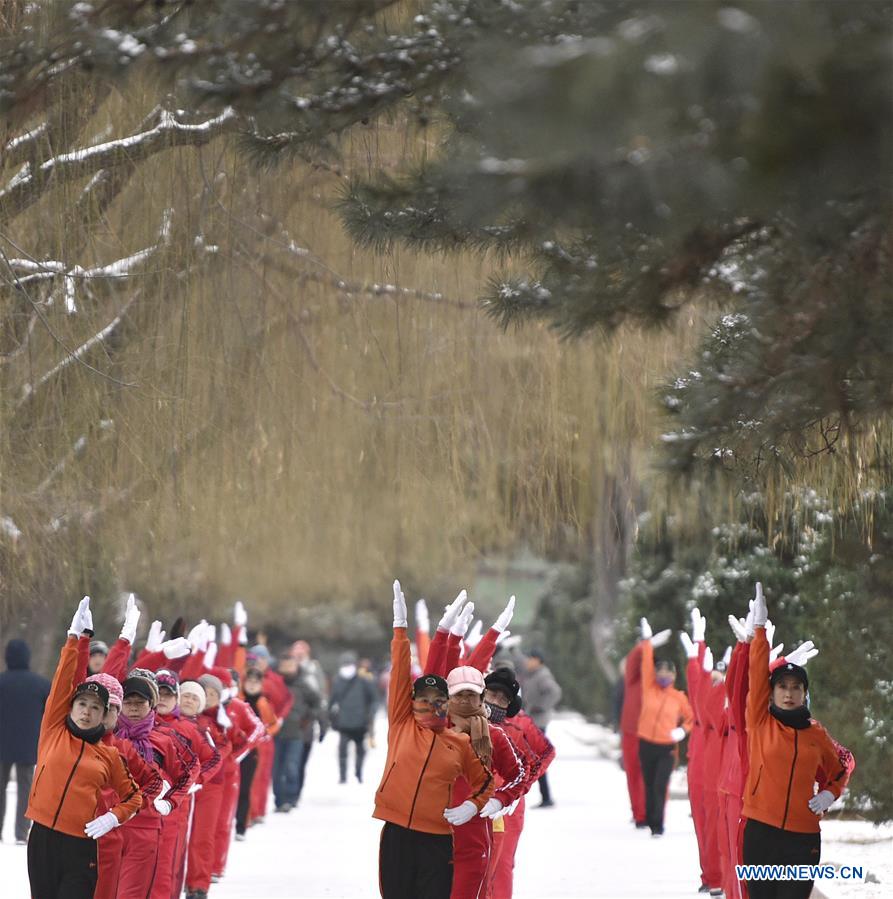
x: 583, y: 847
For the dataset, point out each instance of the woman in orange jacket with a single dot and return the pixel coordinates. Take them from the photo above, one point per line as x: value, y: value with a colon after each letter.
x: 423, y: 762
x: 664, y: 720
x: 74, y: 767
x: 787, y: 749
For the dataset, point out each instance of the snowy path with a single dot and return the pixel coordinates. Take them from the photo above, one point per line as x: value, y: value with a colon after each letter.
x: 584, y: 848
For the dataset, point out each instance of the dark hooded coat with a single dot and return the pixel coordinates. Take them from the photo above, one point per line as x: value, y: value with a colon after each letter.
x: 23, y: 694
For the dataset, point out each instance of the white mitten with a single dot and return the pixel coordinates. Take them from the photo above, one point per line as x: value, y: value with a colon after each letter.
x: 461, y: 814
x: 131, y: 619
x: 505, y: 616
x: 100, y: 826
x: 400, y: 613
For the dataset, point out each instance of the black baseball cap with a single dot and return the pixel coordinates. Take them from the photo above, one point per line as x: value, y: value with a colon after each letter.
x: 92, y: 688
x: 430, y: 681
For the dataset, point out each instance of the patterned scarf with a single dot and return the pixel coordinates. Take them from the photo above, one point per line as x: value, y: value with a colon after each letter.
x: 138, y: 734
x: 475, y: 724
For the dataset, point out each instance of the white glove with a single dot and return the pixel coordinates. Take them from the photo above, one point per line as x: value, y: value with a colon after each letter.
x: 422, y: 620
x: 775, y: 652
x: 226, y: 635
x: 506, y: 639
x: 222, y: 717
x: 194, y: 789
x: 100, y: 826
x: 821, y: 802
x: 212, y: 633
x: 708, y: 660
x: 162, y: 806
x: 165, y: 786
x: 461, y: 814
x: 211, y: 655
x: 463, y: 622
x: 505, y: 616
x: 770, y: 631
x: 79, y: 620
x: 155, y: 637
x: 197, y: 637
x: 474, y: 635
x: 661, y: 637
x: 492, y: 809
x: 739, y: 628
x: 727, y: 656
x: 748, y: 623
x: 400, y: 613
x: 691, y: 649
x: 511, y: 809
x: 176, y: 648
x: 131, y: 619
x: 645, y: 628
x: 802, y: 654
x: 451, y: 612
x: 760, y: 611
x: 240, y: 616
x: 677, y: 734
x: 698, y: 625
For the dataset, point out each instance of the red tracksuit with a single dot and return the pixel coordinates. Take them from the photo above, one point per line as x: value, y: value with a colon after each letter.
x: 536, y: 745
x: 245, y: 734
x: 712, y: 701
x: 695, y: 774
x: 171, y: 846
x: 207, y: 809
x: 473, y: 841
x: 148, y: 777
x: 139, y: 850
x: 629, y: 737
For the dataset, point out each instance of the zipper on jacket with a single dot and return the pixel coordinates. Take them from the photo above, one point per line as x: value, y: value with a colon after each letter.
x: 418, y: 786
x: 759, y: 775
x: 657, y: 717
x: 384, y: 783
x: 790, y: 781
x: 77, y: 761
x: 36, y: 782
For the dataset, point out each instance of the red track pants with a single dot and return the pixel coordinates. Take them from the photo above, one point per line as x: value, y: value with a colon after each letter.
x: 108, y: 859
x: 139, y: 860
x: 730, y: 814
x: 232, y: 776
x: 263, y: 780
x: 629, y: 744
x: 472, y: 845
x: 173, y: 833
x: 182, y: 846
x: 696, y: 799
x: 713, y: 871
x: 502, y: 880
x: 201, y: 840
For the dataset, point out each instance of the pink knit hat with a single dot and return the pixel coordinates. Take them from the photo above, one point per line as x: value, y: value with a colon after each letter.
x: 112, y: 684
x: 465, y: 678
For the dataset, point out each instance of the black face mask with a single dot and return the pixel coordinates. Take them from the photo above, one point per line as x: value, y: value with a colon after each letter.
x: 497, y: 714
x: 93, y: 735
x: 797, y: 718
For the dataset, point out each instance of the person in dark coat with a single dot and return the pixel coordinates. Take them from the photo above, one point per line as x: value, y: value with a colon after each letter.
x: 23, y: 695
x: 351, y: 709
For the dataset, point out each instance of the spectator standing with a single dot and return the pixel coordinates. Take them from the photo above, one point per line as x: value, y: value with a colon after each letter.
x: 23, y: 695
x: 541, y: 694
x: 351, y: 710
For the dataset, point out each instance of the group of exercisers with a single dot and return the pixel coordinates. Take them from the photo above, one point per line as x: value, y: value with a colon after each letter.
x: 761, y: 771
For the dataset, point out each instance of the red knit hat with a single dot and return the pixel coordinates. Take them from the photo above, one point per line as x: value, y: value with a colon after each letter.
x: 112, y: 684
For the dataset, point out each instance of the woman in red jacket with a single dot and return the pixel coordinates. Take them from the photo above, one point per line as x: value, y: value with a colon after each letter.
x: 786, y: 749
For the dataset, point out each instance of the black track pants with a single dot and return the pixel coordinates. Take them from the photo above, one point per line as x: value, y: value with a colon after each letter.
x: 415, y: 865
x: 767, y: 845
x: 60, y: 866
x: 657, y: 766
x: 247, y: 767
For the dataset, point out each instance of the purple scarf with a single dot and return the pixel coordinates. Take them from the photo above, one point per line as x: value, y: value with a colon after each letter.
x: 138, y: 734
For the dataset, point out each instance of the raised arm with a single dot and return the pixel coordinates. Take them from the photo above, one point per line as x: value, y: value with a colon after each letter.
x: 400, y: 686
x: 482, y: 654
x: 59, y: 700
x: 758, y: 695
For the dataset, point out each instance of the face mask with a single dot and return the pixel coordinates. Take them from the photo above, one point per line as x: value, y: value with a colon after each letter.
x: 347, y: 671
x: 664, y: 680
x: 497, y: 714
x: 428, y: 716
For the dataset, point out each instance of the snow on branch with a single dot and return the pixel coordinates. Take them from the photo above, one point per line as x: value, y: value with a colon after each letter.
x: 20, y: 148
x: 27, y: 187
